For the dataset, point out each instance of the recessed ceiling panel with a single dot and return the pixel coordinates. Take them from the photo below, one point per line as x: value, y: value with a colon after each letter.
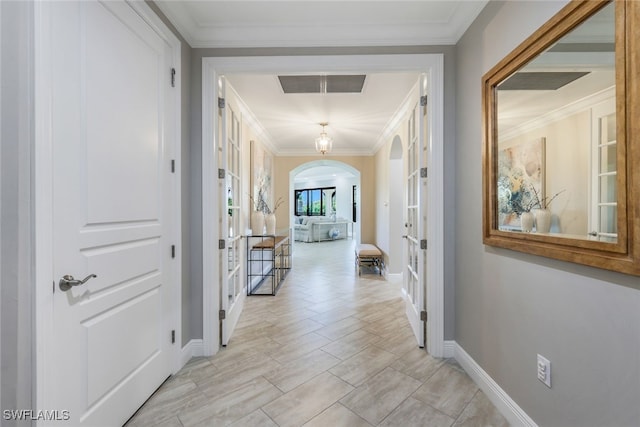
x: 322, y: 84
x: 541, y: 80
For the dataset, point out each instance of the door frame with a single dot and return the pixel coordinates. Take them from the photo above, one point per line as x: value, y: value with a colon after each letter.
x: 42, y: 175
x: 431, y: 64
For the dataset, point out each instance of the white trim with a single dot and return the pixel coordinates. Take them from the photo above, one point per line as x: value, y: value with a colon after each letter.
x: 252, y: 121
x: 398, y: 117
x: 432, y: 64
x: 503, y: 402
x: 449, y: 349
x: 43, y: 201
x: 394, y: 277
x: 43, y: 197
x: 192, y: 349
x: 238, y: 34
x: 154, y: 21
x: 210, y: 285
x: 435, y: 211
x: 560, y: 113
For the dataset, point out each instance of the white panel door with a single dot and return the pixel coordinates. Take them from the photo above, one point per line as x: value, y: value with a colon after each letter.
x: 111, y: 211
x: 231, y: 256
x: 414, y: 286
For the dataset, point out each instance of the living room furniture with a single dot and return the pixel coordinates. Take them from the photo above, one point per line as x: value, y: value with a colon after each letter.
x: 268, y: 262
x: 317, y: 229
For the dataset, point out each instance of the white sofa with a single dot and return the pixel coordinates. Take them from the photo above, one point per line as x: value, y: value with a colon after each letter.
x: 318, y: 228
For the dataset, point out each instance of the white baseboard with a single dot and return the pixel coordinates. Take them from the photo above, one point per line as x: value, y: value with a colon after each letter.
x: 394, y: 277
x: 194, y: 348
x: 507, y: 407
x: 448, y: 349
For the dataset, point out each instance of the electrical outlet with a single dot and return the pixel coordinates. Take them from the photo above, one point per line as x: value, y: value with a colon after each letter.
x: 544, y: 370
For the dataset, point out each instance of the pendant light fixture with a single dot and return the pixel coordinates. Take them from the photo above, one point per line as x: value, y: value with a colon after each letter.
x: 324, y: 143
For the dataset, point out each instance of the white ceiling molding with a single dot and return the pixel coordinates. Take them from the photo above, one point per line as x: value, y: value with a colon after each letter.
x: 403, y: 111
x: 237, y: 24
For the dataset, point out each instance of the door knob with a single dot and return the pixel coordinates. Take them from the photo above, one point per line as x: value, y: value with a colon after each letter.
x: 67, y: 281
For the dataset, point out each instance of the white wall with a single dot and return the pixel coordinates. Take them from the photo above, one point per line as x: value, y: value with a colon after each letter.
x: 511, y: 306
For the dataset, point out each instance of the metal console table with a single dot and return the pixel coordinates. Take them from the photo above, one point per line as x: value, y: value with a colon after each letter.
x: 268, y: 262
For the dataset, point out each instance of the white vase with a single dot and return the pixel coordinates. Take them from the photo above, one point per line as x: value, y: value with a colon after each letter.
x: 543, y: 220
x: 257, y: 223
x: 270, y: 223
x: 526, y: 222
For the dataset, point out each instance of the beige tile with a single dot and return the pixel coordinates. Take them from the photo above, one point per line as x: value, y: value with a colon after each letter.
x: 334, y: 314
x: 299, y: 347
x: 381, y: 394
x: 363, y: 365
x: 413, y: 412
x: 166, y: 403
x: 400, y: 344
x: 230, y: 407
x: 292, y: 374
x: 341, y: 328
x: 481, y: 412
x: 280, y: 337
x: 306, y: 401
x: 337, y: 416
x: 234, y: 377
x: 448, y: 390
x: 255, y: 419
x: 284, y: 335
x: 418, y: 364
x: 351, y: 344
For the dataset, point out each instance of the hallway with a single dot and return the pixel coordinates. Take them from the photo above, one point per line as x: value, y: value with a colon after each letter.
x: 331, y: 349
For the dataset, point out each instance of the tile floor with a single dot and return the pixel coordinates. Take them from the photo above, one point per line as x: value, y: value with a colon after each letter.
x: 331, y: 349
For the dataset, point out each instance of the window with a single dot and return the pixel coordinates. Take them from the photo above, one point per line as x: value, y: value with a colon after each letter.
x: 315, y: 201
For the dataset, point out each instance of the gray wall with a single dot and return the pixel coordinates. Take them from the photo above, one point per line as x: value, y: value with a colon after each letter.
x: 196, y: 155
x: 16, y: 205
x: 511, y: 306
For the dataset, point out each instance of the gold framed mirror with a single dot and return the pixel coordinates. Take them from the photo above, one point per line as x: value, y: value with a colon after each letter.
x: 561, y: 155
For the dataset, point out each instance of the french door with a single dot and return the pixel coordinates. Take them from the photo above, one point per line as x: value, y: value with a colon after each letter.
x: 414, y: 285
x: 604, y: 204
x: 231, y: 255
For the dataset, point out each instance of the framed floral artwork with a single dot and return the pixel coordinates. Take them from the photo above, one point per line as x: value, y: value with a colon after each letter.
x: 520, y: 177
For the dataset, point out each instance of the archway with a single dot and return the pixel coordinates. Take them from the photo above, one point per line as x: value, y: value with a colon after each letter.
x: 343, y: 190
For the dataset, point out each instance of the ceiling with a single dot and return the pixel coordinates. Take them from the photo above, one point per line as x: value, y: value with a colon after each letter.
x: 306, y: 23
x: 291, y: 122
x: 356, y: 121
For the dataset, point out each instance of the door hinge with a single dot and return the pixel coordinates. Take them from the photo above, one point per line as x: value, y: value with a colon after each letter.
x: 173, y: 166
x: 173, y: 336
x: 222, y: 244
x: 173, y: 251
x: 173, y: 77
x: 222, y: 315
x: 423, y: 101
x: 423, y: 244
x: 54, y: 286
x: 423, y: 315
x: 221, y: 103
x: 424, y: 172
x: 221, y: 173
